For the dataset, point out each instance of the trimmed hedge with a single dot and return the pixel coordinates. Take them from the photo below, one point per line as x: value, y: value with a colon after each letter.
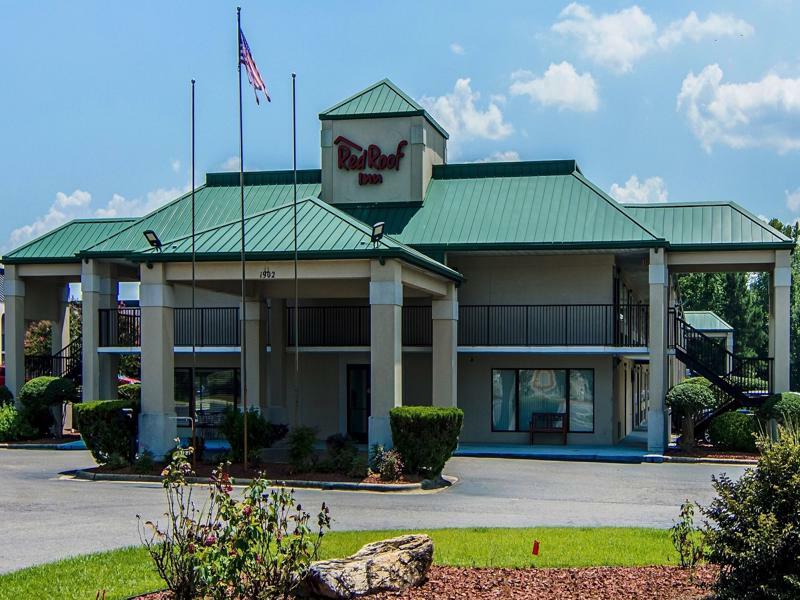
x: 108, y: 431
x: 13, y: 426
x: 6, y: 397
x: 38, y: 395
x: 733, y: 431
x: 132, y: 392
x: 687, y: 399
x: 425, y: 436
x: 782, y: 407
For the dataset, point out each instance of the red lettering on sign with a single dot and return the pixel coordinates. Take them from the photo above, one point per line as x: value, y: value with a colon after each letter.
x: 352, y: 157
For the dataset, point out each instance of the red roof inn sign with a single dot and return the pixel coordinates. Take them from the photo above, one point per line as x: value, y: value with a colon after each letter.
x: 352, y: 157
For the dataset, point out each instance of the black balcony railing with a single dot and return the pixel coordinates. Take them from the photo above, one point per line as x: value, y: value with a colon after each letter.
x: 484, y: 325
x: 214, y: 326
x: 121, y: 327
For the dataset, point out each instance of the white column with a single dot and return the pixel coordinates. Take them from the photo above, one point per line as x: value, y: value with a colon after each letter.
x: 256, y: 343
x: 657, y: 422
x: 444, y: 313
x: 276, y: 381
x: 15, y: 330
x: 779, y: 310
x: 386, y: 350
x: 157, y: 424
x: 98, y: 290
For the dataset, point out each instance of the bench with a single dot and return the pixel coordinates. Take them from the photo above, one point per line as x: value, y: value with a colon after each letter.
x: 550, y: 423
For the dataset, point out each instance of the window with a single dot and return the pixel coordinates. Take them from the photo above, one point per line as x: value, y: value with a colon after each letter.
x: 504, y: 400
x: 214, y: 391
x: 516, y: 393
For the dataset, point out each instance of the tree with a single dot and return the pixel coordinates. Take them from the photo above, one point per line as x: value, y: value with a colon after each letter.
x: 38, y: 339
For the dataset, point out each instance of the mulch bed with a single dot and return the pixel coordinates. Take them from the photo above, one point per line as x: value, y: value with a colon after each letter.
x: 280, y: 471
x: 597, y: 583
x: 708, y: 451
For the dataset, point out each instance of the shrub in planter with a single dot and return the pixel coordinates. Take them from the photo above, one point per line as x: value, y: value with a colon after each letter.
x: 260, y: 432
x: 425, y: 436
x: 108, y: 429
x: 301, y: 449
x: 132, y: 392
x: 754, y: 529
x: 687, y: 399
x: 13, y: 426
x: 734, y: 431
x: 40, y: 396
x: 6, y: 397
x: 782, y: 407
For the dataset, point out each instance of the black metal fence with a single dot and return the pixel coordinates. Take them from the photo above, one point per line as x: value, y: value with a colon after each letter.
x: 483, y: 325
x: 121, y: 327
x: 214, y: 326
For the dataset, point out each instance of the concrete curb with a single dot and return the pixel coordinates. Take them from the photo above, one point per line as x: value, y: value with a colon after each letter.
x: 76, y: 445
x: 713, y: 461
x: 425, y: 485
x: 619, y: 458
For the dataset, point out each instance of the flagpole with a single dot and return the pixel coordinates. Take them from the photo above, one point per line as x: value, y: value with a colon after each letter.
x: 243, y: 338
x: 296, y: 286
x: 194, y: 292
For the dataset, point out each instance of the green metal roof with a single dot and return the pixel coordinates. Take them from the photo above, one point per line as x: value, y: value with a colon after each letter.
x: 63, y: 243
x: 381, y: 99
x: 706, y: 320
x: 511, y: 206
x: 323, y: 232
x: 216, y: 203
x: 708, y: 225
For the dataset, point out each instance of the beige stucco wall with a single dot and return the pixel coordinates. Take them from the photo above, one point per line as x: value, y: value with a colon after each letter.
x: 537, y: 279
x: 475, y: 395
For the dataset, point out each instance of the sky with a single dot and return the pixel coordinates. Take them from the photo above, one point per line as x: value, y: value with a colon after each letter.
x: 657, y: 101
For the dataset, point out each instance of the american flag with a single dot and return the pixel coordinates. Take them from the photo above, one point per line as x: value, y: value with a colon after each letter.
x: 246, y: 59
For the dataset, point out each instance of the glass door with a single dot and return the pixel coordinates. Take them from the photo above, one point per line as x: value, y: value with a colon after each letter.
x: 358, y: 402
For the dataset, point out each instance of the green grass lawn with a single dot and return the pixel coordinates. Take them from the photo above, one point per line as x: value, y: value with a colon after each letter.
x: 123, y: 573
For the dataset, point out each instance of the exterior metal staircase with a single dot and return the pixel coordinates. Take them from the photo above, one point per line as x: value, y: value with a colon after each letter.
x: 737, y: 381
x: 67, y: 362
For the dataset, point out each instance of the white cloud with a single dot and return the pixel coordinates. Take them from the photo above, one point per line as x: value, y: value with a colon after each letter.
x: 764, y: 113
x: 176, y: 165
x: 793, y: 200
x: 231, y: 164
x: 560, y: 86
x: 459, y: 115
x: 618, y: 40
x: 456, y: 48
x: 694, y: 29
x: 614, y: 40
x: 79, y: 204
x: 651, y: 189
x: 505, y: 156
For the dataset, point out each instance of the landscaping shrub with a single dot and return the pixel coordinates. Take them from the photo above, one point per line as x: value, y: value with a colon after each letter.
x: 132, y: 392
x: 687, y: 399
x: 734, y: 431
x: 255, y: 548
x: 388, y: 464
x: 108, y: 430
x: 426, y: 436
x: 13, y: 426
x: 301, y: 449
x: 782, y: 407
x: 41, y: 397
x: 687, y: 538
x: 341, y: 450
x: 754, y: 529
x: 6, y: 397
x: 260, y: 432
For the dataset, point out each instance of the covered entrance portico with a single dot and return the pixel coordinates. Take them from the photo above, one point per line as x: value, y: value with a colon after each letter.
x: 387, y: 282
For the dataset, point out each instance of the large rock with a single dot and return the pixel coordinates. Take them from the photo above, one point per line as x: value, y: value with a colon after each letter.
x: 387, y: 566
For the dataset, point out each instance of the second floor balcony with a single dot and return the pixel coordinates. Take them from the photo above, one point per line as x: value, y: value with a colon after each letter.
x: 532, y: 325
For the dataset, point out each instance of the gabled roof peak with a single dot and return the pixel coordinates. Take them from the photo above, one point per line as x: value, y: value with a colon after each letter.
x: 382, y: 99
